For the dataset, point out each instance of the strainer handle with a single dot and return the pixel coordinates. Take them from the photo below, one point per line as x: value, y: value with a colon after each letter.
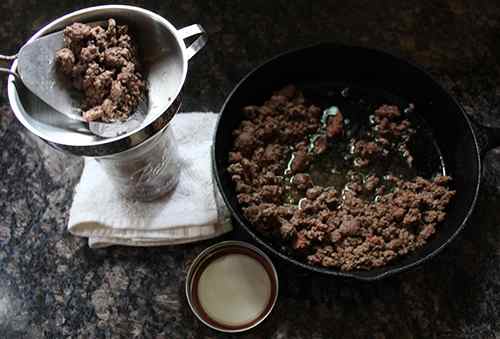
x: 5, y: 61
x: 198, y: 44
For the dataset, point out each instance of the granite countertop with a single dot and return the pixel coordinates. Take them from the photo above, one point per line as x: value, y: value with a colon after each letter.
x: 53, y: 286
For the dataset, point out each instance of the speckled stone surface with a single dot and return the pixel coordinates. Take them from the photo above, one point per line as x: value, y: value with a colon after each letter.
x: 53, y: 286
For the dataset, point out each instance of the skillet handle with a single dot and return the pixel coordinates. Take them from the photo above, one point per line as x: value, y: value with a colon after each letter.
x: 487, y: 137
x: 198, y: 44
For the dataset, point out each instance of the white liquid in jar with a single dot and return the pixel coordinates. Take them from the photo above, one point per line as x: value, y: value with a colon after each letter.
x: 234, y: 290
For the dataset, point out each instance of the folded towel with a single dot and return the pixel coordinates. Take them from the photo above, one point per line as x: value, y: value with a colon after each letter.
x: 193, y: 211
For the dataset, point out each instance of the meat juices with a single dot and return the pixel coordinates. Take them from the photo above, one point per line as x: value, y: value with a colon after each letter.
x: 102, y: 63
x: 373, y: 219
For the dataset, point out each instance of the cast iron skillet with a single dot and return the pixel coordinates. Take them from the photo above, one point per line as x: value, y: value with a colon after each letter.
x: 393, y: 80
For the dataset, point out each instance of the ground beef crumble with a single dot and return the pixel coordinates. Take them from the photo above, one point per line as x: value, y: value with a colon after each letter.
x: 367, y: 223
x: 102, y: 63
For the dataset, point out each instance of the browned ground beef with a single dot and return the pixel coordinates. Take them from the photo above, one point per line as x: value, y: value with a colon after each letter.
x: 102, y: 63
x: 371, y: 220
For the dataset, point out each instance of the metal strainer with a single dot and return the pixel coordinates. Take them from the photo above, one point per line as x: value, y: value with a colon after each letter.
x: 164, y: 56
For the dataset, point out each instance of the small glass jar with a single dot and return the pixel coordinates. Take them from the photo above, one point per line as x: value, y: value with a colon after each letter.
x: 147, y: 171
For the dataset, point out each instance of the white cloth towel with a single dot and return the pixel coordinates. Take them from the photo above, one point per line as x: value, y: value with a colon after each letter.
x: 193, y: 211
